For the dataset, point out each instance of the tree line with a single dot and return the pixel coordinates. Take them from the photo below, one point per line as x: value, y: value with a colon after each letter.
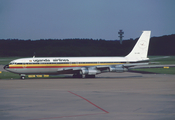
x: 164, y: 45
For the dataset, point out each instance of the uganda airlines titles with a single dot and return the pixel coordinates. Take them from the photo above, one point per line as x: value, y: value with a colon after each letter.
x: 48, y: 60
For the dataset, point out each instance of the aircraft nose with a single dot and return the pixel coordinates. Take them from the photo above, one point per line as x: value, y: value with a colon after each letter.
x: 6, y: 66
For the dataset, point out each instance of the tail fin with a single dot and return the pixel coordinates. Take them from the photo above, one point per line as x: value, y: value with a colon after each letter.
x: 140, y: 49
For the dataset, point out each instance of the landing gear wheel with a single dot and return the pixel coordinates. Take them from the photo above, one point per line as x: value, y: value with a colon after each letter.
x: 89, y: 76
x: 77, y: 76
x: 22, y: 77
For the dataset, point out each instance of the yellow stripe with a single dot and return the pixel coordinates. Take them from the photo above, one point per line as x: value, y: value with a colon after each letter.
x: 30, y: 65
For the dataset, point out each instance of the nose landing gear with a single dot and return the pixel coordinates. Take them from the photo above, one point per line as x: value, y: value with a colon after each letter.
x: 23, y: 76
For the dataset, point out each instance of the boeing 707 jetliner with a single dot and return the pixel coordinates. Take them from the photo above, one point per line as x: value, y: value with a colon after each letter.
x: 82, y: 66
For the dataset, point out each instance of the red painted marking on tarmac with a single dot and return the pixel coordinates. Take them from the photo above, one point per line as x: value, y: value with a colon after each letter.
x: 89, y: 102
x: 105, y: 112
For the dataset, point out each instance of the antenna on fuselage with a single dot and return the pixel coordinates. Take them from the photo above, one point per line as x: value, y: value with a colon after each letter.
x: 34, y: 55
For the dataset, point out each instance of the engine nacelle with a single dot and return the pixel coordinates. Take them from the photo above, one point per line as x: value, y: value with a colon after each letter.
x: 85, y: 71
x: 118, y: 69
x: 93, y: 72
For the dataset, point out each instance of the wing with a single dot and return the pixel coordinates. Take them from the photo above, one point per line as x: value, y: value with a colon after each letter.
x: 93, y: 70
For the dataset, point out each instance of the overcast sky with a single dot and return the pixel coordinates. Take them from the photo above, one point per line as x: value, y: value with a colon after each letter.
x: 96, y: 19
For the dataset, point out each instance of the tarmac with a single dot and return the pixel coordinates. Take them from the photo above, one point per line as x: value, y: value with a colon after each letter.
x: 109, y: 96
x: 2, y: 68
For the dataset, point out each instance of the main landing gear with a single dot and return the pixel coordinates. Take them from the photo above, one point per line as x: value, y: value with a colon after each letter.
x: 89, y: 76
x: 83, y: 76
x: 77, y: 76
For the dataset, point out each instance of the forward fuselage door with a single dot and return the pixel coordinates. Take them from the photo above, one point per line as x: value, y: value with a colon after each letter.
x: 24, y: 64
x: 77, y: 63
x: 70, y: 63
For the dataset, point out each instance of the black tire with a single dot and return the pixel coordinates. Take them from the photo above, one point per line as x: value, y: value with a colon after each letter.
x: 89, y: 76
x: 77, y: 76
x: 22, y: 77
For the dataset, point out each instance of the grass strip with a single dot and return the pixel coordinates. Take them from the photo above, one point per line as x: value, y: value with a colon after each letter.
x: 9, y: 75
x: 170, y: 70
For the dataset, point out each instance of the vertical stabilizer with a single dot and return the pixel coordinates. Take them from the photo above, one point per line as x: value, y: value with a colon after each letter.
x: 140, y: 49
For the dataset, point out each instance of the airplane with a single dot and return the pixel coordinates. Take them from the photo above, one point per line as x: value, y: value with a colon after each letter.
x: 82, y: 67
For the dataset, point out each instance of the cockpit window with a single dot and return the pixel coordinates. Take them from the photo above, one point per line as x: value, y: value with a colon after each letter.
x: 13, y: 63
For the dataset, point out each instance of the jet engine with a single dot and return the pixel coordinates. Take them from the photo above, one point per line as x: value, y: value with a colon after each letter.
x: 86, y: 71
x: 118, y: 68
